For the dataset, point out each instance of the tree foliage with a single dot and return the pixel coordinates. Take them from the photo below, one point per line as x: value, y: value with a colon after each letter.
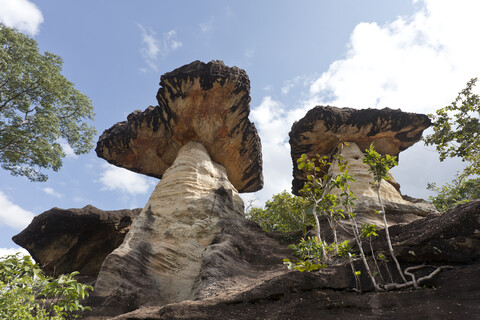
x: 26, y: 293
x: 460, y: 190
x: 457, y: 129
x: 38, y: 107
x: 284, y: 212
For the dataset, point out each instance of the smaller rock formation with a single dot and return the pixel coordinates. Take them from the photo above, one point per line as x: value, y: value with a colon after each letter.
x: 391, y: 131
x: 63, y: 241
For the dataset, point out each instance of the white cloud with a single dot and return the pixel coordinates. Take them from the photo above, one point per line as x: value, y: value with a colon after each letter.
x: 11, y: 251
x: 12, y: 215
x: 417, y: 64
x: 153, y: 47
x: 126, y: 181
x: 52, y: 192
x: 21, y: 14
x: 69, y: 152
x: 273, y: 123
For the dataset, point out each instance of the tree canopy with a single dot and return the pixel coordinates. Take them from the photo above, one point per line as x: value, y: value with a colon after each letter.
x: 457, y: 129
x: 284, y: 212
x: 38, y: 108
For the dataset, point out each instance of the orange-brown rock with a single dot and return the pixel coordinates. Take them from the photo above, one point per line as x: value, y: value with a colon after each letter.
x: 205, y: 103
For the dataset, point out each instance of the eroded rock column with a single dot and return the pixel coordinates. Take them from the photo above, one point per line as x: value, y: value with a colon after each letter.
x: 162, y: 254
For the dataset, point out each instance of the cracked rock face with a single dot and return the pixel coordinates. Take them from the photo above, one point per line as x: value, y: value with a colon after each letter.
x: 324, y: 128
x: 205, y: 103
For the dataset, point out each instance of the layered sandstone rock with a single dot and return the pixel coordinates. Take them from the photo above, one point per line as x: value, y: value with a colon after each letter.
x: 67, y: 240
x: 398, y: 209
x: 187, y: 243
x: 206, y: 103
x: 323, y: 129
x: 200, y: 142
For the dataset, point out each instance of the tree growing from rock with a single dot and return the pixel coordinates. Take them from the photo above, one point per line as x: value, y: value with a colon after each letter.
x: 315, y: 253
x: 38, y: 107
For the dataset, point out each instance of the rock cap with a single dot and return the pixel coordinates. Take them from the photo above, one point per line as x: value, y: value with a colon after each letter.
x: 206, y: 103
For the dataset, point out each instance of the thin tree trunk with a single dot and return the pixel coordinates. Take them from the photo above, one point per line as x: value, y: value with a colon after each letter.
x: 387, y: 234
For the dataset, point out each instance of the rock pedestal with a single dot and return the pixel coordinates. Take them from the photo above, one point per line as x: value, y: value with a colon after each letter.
x: 161, y: 256
x: 398, y: 209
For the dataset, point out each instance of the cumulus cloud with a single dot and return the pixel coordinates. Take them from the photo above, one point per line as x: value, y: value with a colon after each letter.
x: 153, y: 46
x: 22, y: 15
x: 12, y: 215
x: 273, y: 123
x: 119, y: 179
x: 415, y: 63
x: 10, y: 251
x: 52, y: 192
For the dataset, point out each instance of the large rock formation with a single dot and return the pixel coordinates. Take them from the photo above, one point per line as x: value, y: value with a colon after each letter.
x: 63, y: 241
x: 206, y: 103
x: 286, y: 294
x: 200, y: 142
x: 323, y: 129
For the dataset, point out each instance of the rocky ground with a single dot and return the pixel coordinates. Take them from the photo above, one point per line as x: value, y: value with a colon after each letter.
x: 244, y: 278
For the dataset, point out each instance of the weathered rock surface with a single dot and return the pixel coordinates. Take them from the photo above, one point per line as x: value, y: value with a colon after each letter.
x: 186, y: 243
x: 451, y: 237
x: 326, y: 294
x: 324, y: 127
x: 206, y: 103
x: 397, y: 208
x: 63, y: 241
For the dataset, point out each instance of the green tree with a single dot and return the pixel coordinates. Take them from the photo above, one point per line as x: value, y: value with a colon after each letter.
x: 457, y: 130
x: 457, y: 134
x: 26, y: 293
x: 460, y: 190
x: 284, y: 212
x: 38, y: 107
x: 379, y: 166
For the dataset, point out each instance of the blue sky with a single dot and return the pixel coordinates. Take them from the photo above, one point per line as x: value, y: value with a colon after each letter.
x: 412, y: 55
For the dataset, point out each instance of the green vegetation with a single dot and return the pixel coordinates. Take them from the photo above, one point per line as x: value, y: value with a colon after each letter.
x: 26, y: 293
x: 38, y: 108
x: 457, y: 134
x: 284, y: 213
x: 332, y: 199
x: 460, y: 190
x: 457, y: 130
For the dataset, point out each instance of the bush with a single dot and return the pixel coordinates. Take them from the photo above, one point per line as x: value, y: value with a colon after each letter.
x: 285, y: 212
x: 26, y: 293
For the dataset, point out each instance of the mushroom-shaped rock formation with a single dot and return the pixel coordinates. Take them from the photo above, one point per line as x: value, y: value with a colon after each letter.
x: 201, y: 144
x: 391, y: 131
x: 206, y: 103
